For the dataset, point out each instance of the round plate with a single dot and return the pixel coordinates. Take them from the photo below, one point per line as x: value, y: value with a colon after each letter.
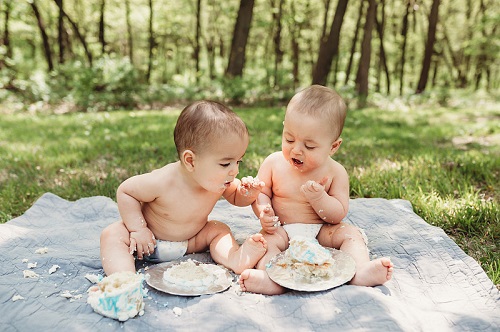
x: 154, y: 278
x: 343, y: 270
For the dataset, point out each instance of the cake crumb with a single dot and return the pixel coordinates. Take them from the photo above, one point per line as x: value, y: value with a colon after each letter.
x: 30, y: 274
x: 53, y: 269
x: 177, y: 311
x: 43, y: 250
x: 17, y: 297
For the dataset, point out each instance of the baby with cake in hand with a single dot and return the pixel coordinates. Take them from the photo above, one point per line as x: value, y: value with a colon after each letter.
x: 306, y: 192
x: 165, y: 212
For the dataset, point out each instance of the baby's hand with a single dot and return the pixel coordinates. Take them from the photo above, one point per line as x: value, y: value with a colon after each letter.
x: 251, y: 187
x: 313, y: 190
x: 143, y: 241
x: 268, y: 220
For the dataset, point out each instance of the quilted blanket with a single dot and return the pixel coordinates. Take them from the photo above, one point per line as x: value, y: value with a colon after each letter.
x: 47, y: 253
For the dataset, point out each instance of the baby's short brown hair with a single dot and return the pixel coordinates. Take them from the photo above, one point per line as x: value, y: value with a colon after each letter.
x: 321, y: 102
x: 203, y: 122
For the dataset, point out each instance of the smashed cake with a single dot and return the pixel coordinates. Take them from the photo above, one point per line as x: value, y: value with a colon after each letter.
x: 118, y: 296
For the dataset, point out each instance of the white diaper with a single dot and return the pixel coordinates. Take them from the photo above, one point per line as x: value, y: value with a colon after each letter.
x: 166, y: 251
x: 309, y: 231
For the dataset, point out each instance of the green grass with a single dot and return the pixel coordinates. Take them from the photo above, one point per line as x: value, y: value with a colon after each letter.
x: 445, y: 161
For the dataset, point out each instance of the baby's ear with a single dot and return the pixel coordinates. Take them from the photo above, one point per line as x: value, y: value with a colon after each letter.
x: 187, y: 160
x: 335, y: 146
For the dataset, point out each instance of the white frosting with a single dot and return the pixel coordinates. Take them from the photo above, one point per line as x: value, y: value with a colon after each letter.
x: 306, y: 250
x: 119, y: 296
x: 307, y: 260
x: 195, y: 276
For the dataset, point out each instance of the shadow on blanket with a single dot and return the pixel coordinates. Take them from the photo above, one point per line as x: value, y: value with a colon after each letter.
x: 436, y: 286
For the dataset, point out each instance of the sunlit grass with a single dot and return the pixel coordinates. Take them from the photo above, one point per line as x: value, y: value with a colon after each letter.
x: 445, y: 161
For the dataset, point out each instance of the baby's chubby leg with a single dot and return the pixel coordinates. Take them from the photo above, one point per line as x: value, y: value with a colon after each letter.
x: 115, y: 252
x: 225, y: 250
x: 257, y: 280
x: 349, y: 239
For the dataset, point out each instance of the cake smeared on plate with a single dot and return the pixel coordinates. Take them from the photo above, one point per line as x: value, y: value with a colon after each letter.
x: 306, y: 259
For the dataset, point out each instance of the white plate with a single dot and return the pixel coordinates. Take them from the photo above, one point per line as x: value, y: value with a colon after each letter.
x: 154, y: 278
x: 343, y: 270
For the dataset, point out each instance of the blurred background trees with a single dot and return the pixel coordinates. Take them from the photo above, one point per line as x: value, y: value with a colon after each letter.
x: 110, y: 54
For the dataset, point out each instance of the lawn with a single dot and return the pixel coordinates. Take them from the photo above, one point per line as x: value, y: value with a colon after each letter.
x: 445, y: 161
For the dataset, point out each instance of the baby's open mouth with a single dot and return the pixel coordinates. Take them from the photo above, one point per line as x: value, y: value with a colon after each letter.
x: 297, y: 162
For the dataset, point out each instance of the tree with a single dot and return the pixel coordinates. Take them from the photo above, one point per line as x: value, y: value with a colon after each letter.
x: 6, y: 34
x: 429, y: 46
x: 43, y: 33
x: 366, y: 50
x: 330, y: 48
x: 278, y: 52
x: 404, y: 34
x: 151, y: 41
x: 354, y: 43
x: 240, y: 38
x: 129, y: 32
x: 78, y: 34
x: 197, y: 44
x: 102, y: 39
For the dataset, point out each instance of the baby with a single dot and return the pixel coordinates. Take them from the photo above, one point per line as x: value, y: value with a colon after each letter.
x: 165, y: 212
x: 306, y: 192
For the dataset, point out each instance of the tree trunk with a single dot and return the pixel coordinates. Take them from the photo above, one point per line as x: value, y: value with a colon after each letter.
x: 383, y: 58
x: 151, y: 40
x: 366, y: 50
x: 129, y: 32
x: 354, y: 43
x: 429, y: 46
x: 78, y: 34
x: 6, y: 34
x: 60, y: 30
x: 45, y: 38
x: 278, y: 52
x: 102, y: 39
x: 197, y: 43
x: 329, y: 49
x: 240, y: 38
x: 404, y: 33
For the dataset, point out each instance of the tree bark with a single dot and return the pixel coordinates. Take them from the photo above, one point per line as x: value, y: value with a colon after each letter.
x: 383, y: 58
x: 77, y: 32
x: 102, y: 39
x: 329, y: 49
x: 6, y: 34
x: 240, y: 38
x: 366, y: 50
x: 151, y: 41
x: 60, y: 30
x: 429, y: 46
x: 354, y: 42
x: 129, y: 32
x: 278, y: 52
x: 45, y: 38
x: 404, y: 33
x: 197, y: 43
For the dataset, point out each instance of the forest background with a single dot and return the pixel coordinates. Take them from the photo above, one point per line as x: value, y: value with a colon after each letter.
x: 421, y: 78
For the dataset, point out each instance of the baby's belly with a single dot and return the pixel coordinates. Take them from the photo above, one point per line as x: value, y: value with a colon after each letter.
x: 169, y: 230
x: 290, y: 212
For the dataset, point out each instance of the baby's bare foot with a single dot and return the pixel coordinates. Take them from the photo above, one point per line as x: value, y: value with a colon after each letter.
x: 257, y: 281
x: 373, y: 273
x: 251, y: 251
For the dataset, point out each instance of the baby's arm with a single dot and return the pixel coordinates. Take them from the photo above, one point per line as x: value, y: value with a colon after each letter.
x: 331, y: 206
x: 129, y: 196
x: 244, y: 192
x: 263, y: 209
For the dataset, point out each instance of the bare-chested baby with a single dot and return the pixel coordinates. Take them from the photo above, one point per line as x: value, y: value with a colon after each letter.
x: 306, y: 192
x: 165, y: 212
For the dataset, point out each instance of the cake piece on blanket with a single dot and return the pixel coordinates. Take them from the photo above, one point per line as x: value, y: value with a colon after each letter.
x: 118, y: 296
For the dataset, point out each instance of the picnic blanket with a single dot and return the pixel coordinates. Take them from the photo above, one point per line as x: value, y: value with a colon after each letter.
x: 436, y: 286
